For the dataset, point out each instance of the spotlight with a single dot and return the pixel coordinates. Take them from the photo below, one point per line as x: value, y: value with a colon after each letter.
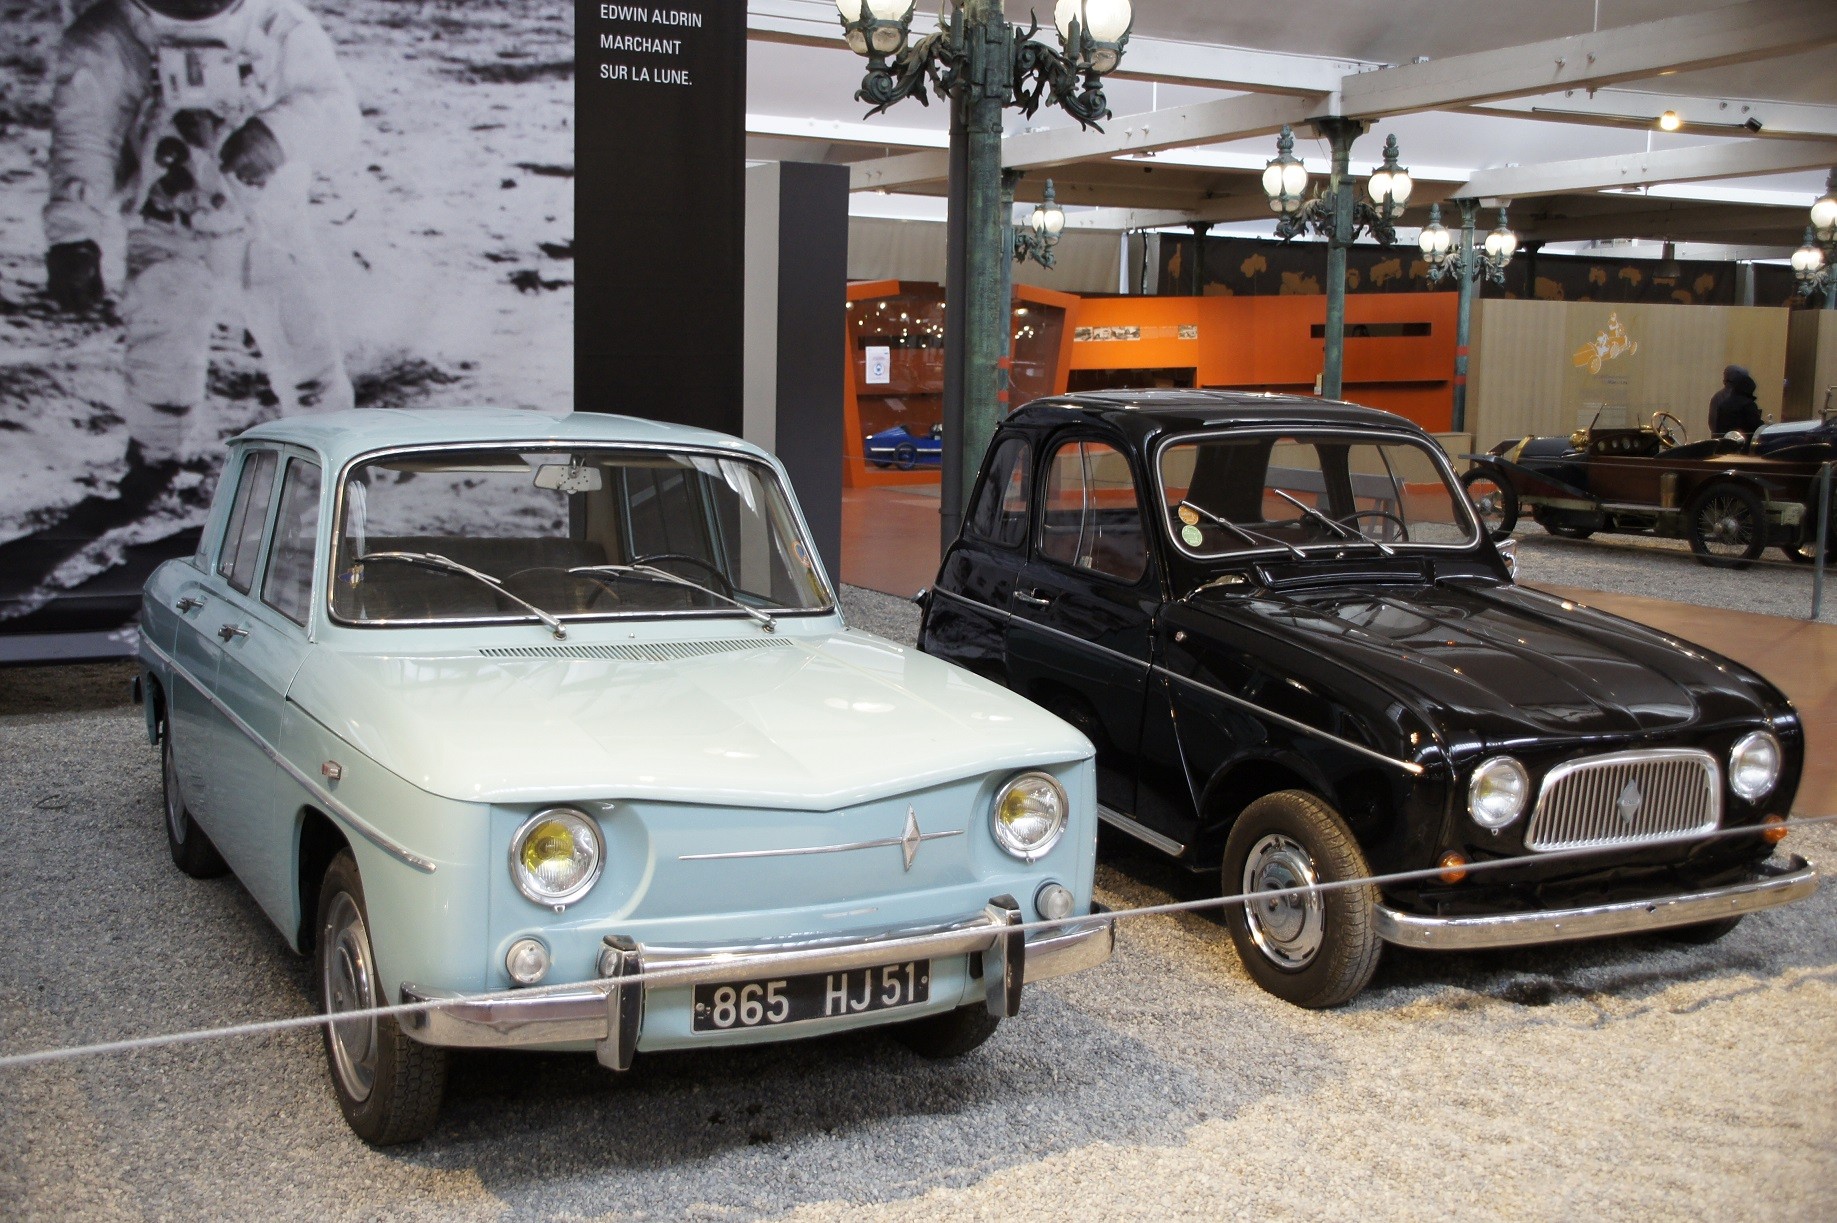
x: 1670, y: 121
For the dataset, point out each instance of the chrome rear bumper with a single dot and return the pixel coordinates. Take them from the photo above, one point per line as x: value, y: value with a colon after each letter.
x: 610, y: 1011
x: 1772, y: 885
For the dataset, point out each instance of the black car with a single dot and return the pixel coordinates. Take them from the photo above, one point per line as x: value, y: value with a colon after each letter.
x: 1302, y: 659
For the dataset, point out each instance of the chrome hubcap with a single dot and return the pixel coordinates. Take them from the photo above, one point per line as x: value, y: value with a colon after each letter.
x: 348, y: 984
x: 175, y: 801
x: 1487, y: 502
x: 1288, y: 929
x: 1725, y: 522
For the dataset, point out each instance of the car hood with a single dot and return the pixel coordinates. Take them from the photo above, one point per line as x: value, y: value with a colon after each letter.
x: 1504, y: 664
x: 809, y: 723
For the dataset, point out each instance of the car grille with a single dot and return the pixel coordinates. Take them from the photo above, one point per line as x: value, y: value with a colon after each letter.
x: 1626, y: 798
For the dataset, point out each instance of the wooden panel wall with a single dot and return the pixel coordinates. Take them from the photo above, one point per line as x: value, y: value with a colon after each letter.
x: 1535, y: 369
x: 1811, y: 363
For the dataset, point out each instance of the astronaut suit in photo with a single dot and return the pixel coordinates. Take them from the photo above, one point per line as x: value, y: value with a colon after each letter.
x: 197, y: 124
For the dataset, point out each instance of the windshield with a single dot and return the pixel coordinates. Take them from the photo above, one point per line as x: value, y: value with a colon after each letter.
x: 573, y: 534
x: 1246, y: 492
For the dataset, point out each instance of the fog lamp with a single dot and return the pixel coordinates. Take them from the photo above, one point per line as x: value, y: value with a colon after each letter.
x: 1053, y: 902
x: 1454, y: 867
x: 527, y: 962
x: 1773, y: 829
x: 556, y: 856
x: 1029, y: 815
x: 1754, y: 765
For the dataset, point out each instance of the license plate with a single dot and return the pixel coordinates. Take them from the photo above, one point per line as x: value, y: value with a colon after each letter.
x: 816, y: 995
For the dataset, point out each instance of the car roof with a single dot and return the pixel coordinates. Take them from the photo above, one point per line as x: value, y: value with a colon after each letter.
x: 1145, y: 414
x: 341, y: 436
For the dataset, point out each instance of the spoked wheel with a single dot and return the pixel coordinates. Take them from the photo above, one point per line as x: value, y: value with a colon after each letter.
x: 192, y: 851
x: 1495, y: 503
x: 1726, y: 525
x: 389, y: 1085
x: 1312, y: 949
x: 905, y: 456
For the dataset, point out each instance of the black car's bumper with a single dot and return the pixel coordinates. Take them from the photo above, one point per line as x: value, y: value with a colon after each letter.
x: 1772, y: 883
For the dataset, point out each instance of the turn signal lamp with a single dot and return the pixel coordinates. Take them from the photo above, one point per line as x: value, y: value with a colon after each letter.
x: 1773, y: 829
x: 1454, y: 867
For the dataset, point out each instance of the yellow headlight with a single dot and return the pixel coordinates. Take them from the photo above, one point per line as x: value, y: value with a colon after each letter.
x: 1029, y: 815
x: 555, y: 856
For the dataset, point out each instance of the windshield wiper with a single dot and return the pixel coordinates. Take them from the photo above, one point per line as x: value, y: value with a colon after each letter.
x: 663, y: 575
x: 1351, y: 532
x: 1254, y: 538
x: 446, y: 564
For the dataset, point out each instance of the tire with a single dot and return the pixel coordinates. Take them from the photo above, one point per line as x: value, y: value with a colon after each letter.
x: 1314, y: 952
x: 1495, y: 503
x: 389, y: 1085
x: 1569, y: 524
x: 1727, y: 525
x: 192, y: 851
x: 905, y: 456
x: 1702, y: 932
x: 952, y: 1034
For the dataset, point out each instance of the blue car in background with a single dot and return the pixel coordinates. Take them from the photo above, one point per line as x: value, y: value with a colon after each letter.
x: 899, y: 447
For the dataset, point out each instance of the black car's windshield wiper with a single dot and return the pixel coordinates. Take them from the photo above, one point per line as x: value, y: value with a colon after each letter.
x: 1349, y: 531
x: 446, y: 564
x: 1251, y: 537
x: 662, y: 575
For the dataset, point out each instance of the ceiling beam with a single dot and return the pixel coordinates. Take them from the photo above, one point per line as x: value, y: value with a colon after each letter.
x: 1758, y: 29
x: 1633, y: 108
x: 1723, y: 159
x: 1738, y: 223
x: 1172, y: 127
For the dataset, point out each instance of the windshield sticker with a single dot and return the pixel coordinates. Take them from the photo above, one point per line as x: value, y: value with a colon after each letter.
x: 1189, y: 532
x: 1189, y: 515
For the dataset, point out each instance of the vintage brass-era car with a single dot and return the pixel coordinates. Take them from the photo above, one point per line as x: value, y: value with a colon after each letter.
x: 1721, y: 493
x: 1302, y: 660
x: 473, y: 701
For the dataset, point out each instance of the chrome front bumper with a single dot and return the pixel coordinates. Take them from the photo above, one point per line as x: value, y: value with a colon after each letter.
x: 1773, y: 885
x: 610, y: 1011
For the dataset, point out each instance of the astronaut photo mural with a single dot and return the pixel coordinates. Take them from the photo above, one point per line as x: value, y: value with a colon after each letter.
x: 213, y: 212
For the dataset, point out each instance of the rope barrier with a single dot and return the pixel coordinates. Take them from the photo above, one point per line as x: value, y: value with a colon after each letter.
x: 663, y: 975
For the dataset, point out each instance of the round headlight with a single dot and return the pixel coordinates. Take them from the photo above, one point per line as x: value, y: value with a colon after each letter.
x: 1497, y: 794
x: 556, y: 856
x: 1029, y: 815
x: 1754, y: 765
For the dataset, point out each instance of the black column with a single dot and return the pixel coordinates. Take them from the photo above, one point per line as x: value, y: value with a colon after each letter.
x: 660, y: 131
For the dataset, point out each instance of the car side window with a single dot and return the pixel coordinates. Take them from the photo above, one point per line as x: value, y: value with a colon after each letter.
x: 287, y: 585
x: 1000, y: 512
x: 1090, y: 517
x: 242, y: 536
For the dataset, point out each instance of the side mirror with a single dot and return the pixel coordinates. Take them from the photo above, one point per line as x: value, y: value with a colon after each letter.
x: 1508, y: 552
x: 922, y: 597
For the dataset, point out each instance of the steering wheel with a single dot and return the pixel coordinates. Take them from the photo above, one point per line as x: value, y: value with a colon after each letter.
x: 726, y: 587
x: 1403, y: 530
x: 600, y: 590
x: 1666, y: 434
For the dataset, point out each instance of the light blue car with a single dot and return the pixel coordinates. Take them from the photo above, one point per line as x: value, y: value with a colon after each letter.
x: 562, y: 709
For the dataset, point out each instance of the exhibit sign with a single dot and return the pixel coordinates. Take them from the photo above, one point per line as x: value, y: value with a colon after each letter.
x: 659, y: 104
x: 879, y: 365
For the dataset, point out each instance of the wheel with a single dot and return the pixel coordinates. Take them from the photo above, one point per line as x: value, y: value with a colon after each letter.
x: 1495, y: 503
x: 1702, y: 932
x: 1727, y: 525
x: 952, y: 1034
x: 388, y: 1084
x: 1570, y: 524
x: 905, y: 456
x: 1670, y: 429
x: 1314, y: 951
x: 726, y: 587
x: 192, y: 851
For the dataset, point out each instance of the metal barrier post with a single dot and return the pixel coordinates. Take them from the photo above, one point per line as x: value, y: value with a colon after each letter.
x: 1824, y: 541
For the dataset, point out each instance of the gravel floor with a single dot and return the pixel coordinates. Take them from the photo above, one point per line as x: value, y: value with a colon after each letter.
x: 1629, y: 1079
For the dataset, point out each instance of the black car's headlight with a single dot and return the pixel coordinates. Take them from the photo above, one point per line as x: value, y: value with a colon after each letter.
x: 1029, y: 815
x: 556, y: 856
x: 1754, y: 765
x: 1498, y: 792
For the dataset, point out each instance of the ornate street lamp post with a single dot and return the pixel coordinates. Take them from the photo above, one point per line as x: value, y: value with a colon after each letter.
x: 1811, y: 263
x: 983, y: 65
x: 1338, y: 215
x: 1469, y: 263
x: 1042, y: 233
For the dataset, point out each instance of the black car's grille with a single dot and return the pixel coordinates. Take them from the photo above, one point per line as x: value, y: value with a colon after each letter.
x: 1626, y: 798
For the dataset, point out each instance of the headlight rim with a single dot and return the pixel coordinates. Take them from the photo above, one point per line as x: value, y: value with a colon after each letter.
x: 1779, y: 765
x: 1001, y: 833
x: 1491, y: 763
x: 520, y: 876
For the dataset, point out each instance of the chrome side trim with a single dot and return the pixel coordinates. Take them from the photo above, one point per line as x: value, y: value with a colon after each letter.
x: 1140, y: 832
x: 877, y: 843
x: 1410, y: 767
x: 1775, y: 885
x: 356, y: 822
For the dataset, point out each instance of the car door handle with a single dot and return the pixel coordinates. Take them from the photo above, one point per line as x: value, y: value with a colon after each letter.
x: 230, y: 630
x: 188, y: 602
x: 1032, y: 600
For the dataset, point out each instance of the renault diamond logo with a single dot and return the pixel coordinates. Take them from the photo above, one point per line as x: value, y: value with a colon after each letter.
x: 1629, y: 803
x: 909, y: 840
